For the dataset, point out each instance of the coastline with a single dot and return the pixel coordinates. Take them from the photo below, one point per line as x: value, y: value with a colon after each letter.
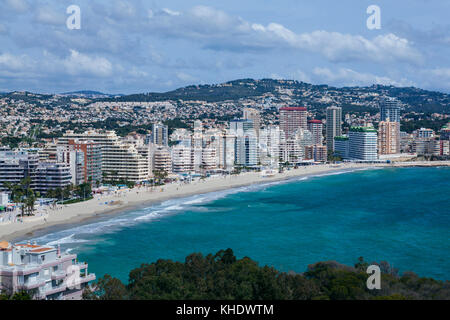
x: 126, y: 200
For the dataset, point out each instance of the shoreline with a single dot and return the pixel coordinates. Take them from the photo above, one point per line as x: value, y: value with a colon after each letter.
x: 126, y: 200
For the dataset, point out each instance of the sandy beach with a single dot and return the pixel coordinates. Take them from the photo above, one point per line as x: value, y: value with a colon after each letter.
x: 124, y: 200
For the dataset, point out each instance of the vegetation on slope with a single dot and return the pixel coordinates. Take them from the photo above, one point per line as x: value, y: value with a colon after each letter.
x: 224, y: 277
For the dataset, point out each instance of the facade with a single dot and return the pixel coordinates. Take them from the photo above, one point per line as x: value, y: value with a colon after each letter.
x: 316, y: 127
x: 160, y: 134
x: 389, y: 110
x: 120, y: 160
x: 316, y: 153
x: 43, y: 271
x: 92, y: 168
x: 269, y: 146
x: 292, y: 119
x: 16, y: 165
x: 342, y: 147
x: 426, y: 146
x: 363, y: 143
x: 423, y: 133
x: 388, y: 137
x: 182, y: 158
x: 49, y: 175
x: 246, y: 150
x: 162, y: 159
x: 75, y: 161
x: 334, y: 126
x: 255, y: 116
x: 227, y: 156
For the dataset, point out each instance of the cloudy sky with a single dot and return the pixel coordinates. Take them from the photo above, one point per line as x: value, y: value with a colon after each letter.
x: 152, y: 45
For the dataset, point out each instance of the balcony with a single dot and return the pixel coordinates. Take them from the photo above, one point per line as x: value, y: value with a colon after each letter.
x: 31, y: 285
x: 58, y: 275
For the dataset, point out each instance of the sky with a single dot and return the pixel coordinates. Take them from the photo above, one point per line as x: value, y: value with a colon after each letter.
x: 155, y: 46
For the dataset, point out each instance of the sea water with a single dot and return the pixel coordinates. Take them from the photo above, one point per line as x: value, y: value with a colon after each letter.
x: 399, y: 215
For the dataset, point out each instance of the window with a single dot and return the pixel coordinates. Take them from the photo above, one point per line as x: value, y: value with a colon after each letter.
x: 43, y: 258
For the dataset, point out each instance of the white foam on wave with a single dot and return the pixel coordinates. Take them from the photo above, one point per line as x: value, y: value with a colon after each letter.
x: 66, y: 240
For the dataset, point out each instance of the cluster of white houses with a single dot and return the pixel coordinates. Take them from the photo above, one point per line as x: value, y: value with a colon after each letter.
x: 98, y: 155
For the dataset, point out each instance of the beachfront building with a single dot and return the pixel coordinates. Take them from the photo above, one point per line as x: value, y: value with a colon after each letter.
x: 246, y: 149
x: 92, y: 162
x: 182, y: 158
x: 269, y: 146
x: 162, y: 159
x: 120, y: 160
x: 75, y: 161
x: 292, y: 119
x: 363, y: 143
x: 426, y: 147
x: 50, y: 176
x: 341, y: 147
x: 316, y: 128
x: 316, y: 153
x: 42, y: 271
x: 334, y: 126
x: 16, y: 165
x: 388, y: 137
x: 246, y: 143
x: 226, y: 153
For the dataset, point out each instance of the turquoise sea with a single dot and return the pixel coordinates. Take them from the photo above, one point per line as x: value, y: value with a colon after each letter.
x: 400, y: 215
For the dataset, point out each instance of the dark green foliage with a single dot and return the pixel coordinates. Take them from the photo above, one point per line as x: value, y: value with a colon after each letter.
x: 224, y: 277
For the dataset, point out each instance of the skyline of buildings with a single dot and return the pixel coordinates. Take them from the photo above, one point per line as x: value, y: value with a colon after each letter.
x: 96, y: 155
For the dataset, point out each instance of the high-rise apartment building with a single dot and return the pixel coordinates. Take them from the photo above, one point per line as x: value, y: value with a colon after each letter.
x: 388, y: 137
x: 389, y: 109
x: 292, y: 119
x: 255, y: 116
x: 334, y: 126
x: 160, y: 134
x: 316, y: 128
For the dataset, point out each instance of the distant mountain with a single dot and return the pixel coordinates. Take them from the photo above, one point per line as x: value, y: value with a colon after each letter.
x: 291, y: 91
x: 90, y: 94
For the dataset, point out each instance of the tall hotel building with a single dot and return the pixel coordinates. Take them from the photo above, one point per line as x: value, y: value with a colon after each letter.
x: 316, y: 127
x: 388, y: 137
x: 334, y: 126
x: 363, y: 143
x: 292, y: 119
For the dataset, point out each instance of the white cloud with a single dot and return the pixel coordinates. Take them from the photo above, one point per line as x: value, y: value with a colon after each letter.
x: 14, y: 63
x: 217, y: 29
x: 78, y: 64
x: 171, y: 12
x: 185, y: 77
x: 47, y: 15
x: 349, y: 77
x: 20, y: 6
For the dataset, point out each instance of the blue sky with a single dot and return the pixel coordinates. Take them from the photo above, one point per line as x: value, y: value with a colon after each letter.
x: 142, y: 46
